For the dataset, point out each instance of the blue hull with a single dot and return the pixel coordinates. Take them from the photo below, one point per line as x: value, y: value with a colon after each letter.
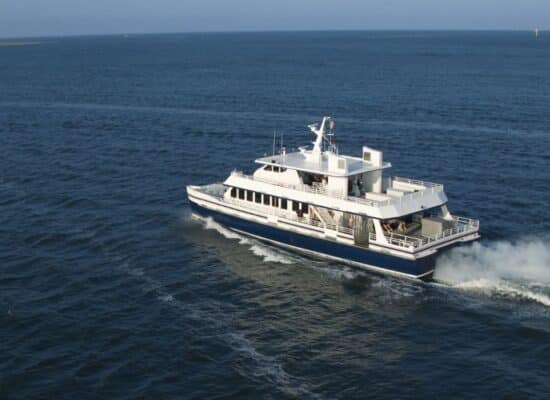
x: 420, y: 267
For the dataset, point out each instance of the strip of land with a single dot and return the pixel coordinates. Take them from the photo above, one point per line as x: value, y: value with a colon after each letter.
x: 17, y: 43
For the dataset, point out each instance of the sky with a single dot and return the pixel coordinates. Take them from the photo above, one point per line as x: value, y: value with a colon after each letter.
x: 24, y: 18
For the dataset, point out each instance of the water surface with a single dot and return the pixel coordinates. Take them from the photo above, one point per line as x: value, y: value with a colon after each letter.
x: 108, y: 289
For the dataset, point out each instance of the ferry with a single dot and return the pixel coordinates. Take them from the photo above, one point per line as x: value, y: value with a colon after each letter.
x: 337, y: 207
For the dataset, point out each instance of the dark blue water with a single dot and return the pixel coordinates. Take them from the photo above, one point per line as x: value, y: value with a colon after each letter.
x: 108, y: 289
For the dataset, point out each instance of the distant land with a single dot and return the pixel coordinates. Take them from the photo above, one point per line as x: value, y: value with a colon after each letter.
x: 15, y: 43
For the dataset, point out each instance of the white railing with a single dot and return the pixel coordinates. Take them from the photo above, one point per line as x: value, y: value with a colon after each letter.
x: 316, y: 189
x: 429, y: 189
x: 287, y: 215
x: 416, y: 182
x: 461, y: 226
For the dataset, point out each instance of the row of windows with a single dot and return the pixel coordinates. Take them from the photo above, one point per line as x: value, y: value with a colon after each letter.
x: 274, y: 168
x: 268, y: 200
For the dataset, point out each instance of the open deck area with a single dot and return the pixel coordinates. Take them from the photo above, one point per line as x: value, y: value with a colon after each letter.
x: 409, y: 189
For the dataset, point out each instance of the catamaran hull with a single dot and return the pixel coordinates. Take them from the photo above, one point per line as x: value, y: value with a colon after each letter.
x: 357, y: 256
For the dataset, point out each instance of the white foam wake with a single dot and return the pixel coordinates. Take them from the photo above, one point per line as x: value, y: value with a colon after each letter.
x: 518, y: 270
x: 211, y: 224
x: 271, y: 255
x: 267, y: 253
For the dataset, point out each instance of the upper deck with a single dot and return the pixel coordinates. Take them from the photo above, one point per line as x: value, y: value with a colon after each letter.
x: 321, y: 176
x: 301, y: 161
x: 413, y: 195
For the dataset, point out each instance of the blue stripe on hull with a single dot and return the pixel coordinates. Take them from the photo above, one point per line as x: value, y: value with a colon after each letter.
x: 356, y: 254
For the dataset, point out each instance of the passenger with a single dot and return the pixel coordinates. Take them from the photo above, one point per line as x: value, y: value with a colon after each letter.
x: 401, y: 227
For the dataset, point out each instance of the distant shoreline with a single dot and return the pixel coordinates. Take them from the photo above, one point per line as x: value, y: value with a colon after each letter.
x: 15, y: 43
x: 35, y: 39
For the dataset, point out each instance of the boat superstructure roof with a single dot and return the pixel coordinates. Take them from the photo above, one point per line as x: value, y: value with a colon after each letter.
x: 300, y: 162
x: 316, y: 160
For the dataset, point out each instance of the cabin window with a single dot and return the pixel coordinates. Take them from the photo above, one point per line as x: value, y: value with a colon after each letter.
x: 268, y: 168
x: 258, y: 197
x: 283, y: 169
x: 305, y: 208
x: 284, y: 204
x: 267, y: 199
x: 341, y: 163
x: 366, y: 156
x: 275, y: 202
x: 275, y: 169
x: 233, y: 192
x: 295, y: 206
x: 249, y: 195
x: 241, y: 194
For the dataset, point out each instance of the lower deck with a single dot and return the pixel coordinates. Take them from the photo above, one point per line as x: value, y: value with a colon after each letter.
x: 416, y: 234
x: 356, y: 239
x: 349, y: 254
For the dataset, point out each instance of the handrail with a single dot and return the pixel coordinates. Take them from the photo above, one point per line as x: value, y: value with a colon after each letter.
x: 417, y: 182
x: 461, y: 225
x: 290, y: 216
x: 429, y: 188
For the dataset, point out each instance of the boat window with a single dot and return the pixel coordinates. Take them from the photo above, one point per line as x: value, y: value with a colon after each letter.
x: 295, y: 206
x: 268, y: 168
x: 258, y: 197
x: 233, y: 192
x: 284, y: 204
x: 267, y: 199
x: 241, y: 194
x: 249, y: 195
x: 304, y: 208
x: 366, y: 156
x: 275, y: 202
x: 341, y: 163
x: 275, y: 169
x: 283, y: 169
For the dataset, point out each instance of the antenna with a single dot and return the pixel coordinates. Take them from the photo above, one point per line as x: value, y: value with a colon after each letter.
x: 282, y: 150
x: 274, y: 132
x: 331, y: 136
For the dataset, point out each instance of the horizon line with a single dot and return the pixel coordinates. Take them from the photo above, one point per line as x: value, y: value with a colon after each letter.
x: 73, y: 35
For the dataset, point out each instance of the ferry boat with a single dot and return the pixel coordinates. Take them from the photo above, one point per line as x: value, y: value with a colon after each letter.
x: 338, y: 207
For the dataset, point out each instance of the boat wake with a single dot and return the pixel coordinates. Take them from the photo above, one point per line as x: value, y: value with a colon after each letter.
x: 268, y: 253
x: 519, y: 270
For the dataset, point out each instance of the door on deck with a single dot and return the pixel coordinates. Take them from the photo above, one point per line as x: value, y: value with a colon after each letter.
x: 361, y: 230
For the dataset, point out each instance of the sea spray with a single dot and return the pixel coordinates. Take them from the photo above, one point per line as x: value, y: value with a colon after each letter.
x: 517, y: 270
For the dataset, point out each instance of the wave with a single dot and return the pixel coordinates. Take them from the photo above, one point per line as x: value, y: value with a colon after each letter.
x: 517, y: 270
x: 267, y: 253
x: 229, y: 234
x: 271, y: 255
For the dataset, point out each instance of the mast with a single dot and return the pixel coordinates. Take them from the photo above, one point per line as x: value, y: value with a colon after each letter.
x: 320, y: 132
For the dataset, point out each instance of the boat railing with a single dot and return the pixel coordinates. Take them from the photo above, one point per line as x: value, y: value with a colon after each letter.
x: 429, y: 189
x: 315, y: 188
x: 400, y: 240
x: 396, y: 200
x: 460, y: 226
x: 417, y: 182
x: 290, y: 216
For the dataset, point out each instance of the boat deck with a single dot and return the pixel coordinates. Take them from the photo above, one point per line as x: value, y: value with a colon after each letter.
x: 412, y: 241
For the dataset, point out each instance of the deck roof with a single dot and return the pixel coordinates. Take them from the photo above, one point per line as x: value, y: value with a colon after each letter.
x: 299, y: 162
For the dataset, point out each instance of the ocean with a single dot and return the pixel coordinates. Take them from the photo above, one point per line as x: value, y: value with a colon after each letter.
x: 109, y: 289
